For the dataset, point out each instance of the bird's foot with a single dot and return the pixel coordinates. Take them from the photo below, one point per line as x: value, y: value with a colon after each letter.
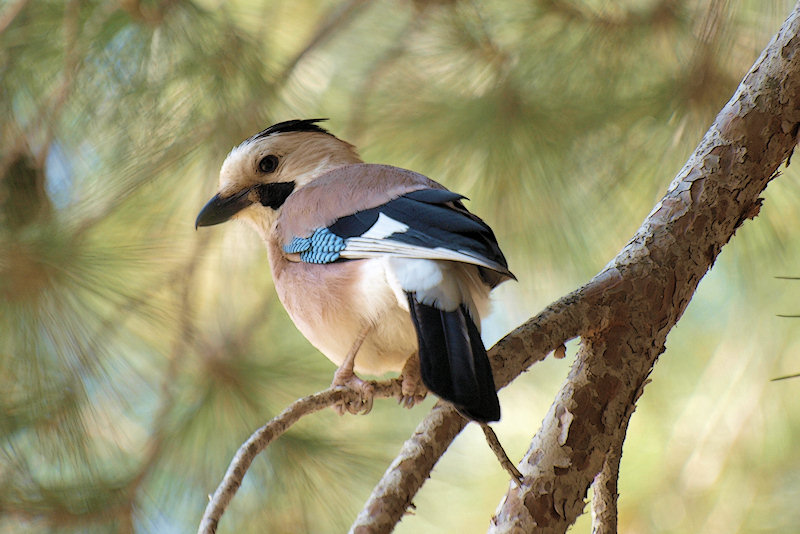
x: 365, y: 389
x: 412, y: 390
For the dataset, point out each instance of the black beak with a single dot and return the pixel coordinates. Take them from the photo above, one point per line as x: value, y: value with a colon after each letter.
x: 219, y: 209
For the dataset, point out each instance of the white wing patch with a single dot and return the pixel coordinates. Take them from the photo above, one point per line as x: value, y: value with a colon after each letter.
x: 429, y: 280
x: 364, y: 247
x: 384, y: 227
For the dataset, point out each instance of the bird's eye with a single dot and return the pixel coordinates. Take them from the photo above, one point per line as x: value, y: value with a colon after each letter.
x: 268, y: 164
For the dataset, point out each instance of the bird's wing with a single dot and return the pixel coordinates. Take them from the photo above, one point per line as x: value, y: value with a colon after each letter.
x: 422, y: 224
x: 344, y: 191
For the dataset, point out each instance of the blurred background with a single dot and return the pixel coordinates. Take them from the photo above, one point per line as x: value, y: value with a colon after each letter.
x: 137, y: 354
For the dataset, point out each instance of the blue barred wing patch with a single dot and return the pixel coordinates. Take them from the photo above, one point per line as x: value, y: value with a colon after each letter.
x: 322, y: 247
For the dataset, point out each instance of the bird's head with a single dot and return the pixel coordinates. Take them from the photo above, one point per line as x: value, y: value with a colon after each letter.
x: 258, y: 175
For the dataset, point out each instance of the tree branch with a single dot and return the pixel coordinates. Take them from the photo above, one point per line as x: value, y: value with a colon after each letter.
x: 606, y: 483
x: 624, y: 314
x: 520, y: 349
x: 606, y: 493
x: 658, y: 272
x: 265, y: 435
x: 500, y: 453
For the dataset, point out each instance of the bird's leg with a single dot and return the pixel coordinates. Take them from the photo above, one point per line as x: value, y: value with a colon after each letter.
x: 346, y: 377
x: 412, y: 389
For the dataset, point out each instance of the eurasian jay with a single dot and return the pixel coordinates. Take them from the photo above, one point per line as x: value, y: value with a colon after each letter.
x: 380, y: 268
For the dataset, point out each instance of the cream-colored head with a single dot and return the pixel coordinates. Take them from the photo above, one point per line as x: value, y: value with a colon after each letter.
x: 260, y: 173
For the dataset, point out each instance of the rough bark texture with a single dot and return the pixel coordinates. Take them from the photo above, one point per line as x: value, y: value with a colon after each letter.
x: 625, y: 313
x: 605, y: 488
x: 409, y: 470
x: 520, y: 349
x: 656, y: 275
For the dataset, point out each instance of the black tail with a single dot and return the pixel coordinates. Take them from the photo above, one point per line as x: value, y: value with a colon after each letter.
x: 453, y: 360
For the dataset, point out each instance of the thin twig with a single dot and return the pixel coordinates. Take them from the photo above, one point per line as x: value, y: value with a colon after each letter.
x: 785, y: 377
x: 265, y: 435
x: 502, y: 457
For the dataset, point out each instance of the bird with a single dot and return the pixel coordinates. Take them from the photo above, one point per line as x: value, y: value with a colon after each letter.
x: 381, y: 268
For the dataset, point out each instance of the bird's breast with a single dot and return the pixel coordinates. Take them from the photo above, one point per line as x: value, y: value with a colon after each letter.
x: 331, y: 303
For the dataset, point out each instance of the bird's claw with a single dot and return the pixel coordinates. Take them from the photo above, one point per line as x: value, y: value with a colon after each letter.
x: 412, y: 390
x: 364, y: 389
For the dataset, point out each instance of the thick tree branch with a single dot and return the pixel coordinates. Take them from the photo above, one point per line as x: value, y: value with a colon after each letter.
x: 606, y: 483
x: 605, y: 486
x: 520, y: 349
x: 625, y: 313
x: 658, y: 272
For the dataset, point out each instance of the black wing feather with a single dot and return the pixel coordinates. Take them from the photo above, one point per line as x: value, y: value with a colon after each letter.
x: 356, y: 224
x: 453, y: 361
x: 436, y: 219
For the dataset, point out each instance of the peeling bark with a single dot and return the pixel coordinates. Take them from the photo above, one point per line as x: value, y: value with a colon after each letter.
x: 658, y: 272
x: 605, y: 488
x: 624, y: 314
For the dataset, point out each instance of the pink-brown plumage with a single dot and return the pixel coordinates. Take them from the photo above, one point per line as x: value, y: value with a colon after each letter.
x: 391, y: 283
x: 341, y: 191
x: 337, y: 301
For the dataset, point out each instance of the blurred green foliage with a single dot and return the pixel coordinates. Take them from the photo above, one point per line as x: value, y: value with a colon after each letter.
x: 136, y: 355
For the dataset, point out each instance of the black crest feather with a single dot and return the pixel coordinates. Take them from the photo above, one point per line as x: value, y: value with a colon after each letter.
x: 294, y: 125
